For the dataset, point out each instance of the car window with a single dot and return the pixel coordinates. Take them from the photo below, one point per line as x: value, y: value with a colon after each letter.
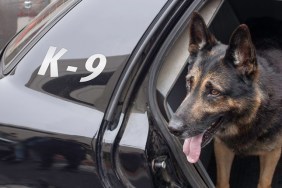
x: 171, y: 82
x: 172, y: 87
x: 33, y: 28
x: 16, y: 14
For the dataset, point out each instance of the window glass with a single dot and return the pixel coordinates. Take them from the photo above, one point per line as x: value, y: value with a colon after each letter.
x: 15, y: 14
x: 33, y: 28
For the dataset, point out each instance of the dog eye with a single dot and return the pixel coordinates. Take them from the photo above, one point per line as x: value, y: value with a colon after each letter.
x: 214, y: 92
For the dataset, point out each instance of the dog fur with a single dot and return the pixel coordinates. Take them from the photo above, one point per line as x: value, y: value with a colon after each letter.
x: 234, y: 94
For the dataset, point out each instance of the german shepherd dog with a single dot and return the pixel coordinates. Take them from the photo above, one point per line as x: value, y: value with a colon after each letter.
x: 234, y: 94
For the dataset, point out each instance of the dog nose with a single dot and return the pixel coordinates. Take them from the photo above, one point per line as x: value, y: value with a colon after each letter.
x: 176, y: 126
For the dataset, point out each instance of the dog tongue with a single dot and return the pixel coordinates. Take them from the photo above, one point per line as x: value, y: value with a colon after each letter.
x: 192, y: 148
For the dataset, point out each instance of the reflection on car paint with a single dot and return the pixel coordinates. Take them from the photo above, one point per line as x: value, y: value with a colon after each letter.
x: 47, y: 152
x: 89, y: 93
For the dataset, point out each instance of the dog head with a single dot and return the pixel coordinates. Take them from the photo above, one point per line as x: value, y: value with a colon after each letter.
x: 220, y: 87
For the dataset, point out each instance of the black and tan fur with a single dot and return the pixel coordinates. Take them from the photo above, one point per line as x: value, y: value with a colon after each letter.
x: 239, y: 87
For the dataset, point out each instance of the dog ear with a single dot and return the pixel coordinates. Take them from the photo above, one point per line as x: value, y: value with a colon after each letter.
x: 199, y: 35
x: 241, y: 52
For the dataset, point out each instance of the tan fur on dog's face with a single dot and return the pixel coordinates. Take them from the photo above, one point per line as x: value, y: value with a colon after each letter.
x: 221, y: 83
x: 214, y: 89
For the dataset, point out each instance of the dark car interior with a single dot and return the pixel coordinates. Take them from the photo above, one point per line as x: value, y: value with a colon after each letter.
x: 245, y: 170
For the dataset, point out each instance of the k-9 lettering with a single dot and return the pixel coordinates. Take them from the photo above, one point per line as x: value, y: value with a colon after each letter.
x: 51, y: 59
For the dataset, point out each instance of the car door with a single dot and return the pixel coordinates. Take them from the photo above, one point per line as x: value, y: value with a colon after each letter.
x: 167, y: 88
x: 133, y: 115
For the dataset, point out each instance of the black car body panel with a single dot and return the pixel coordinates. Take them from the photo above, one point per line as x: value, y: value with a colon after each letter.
x: 48, y: 123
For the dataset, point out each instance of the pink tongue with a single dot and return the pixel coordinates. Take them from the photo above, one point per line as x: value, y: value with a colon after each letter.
x: 192, y: 148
